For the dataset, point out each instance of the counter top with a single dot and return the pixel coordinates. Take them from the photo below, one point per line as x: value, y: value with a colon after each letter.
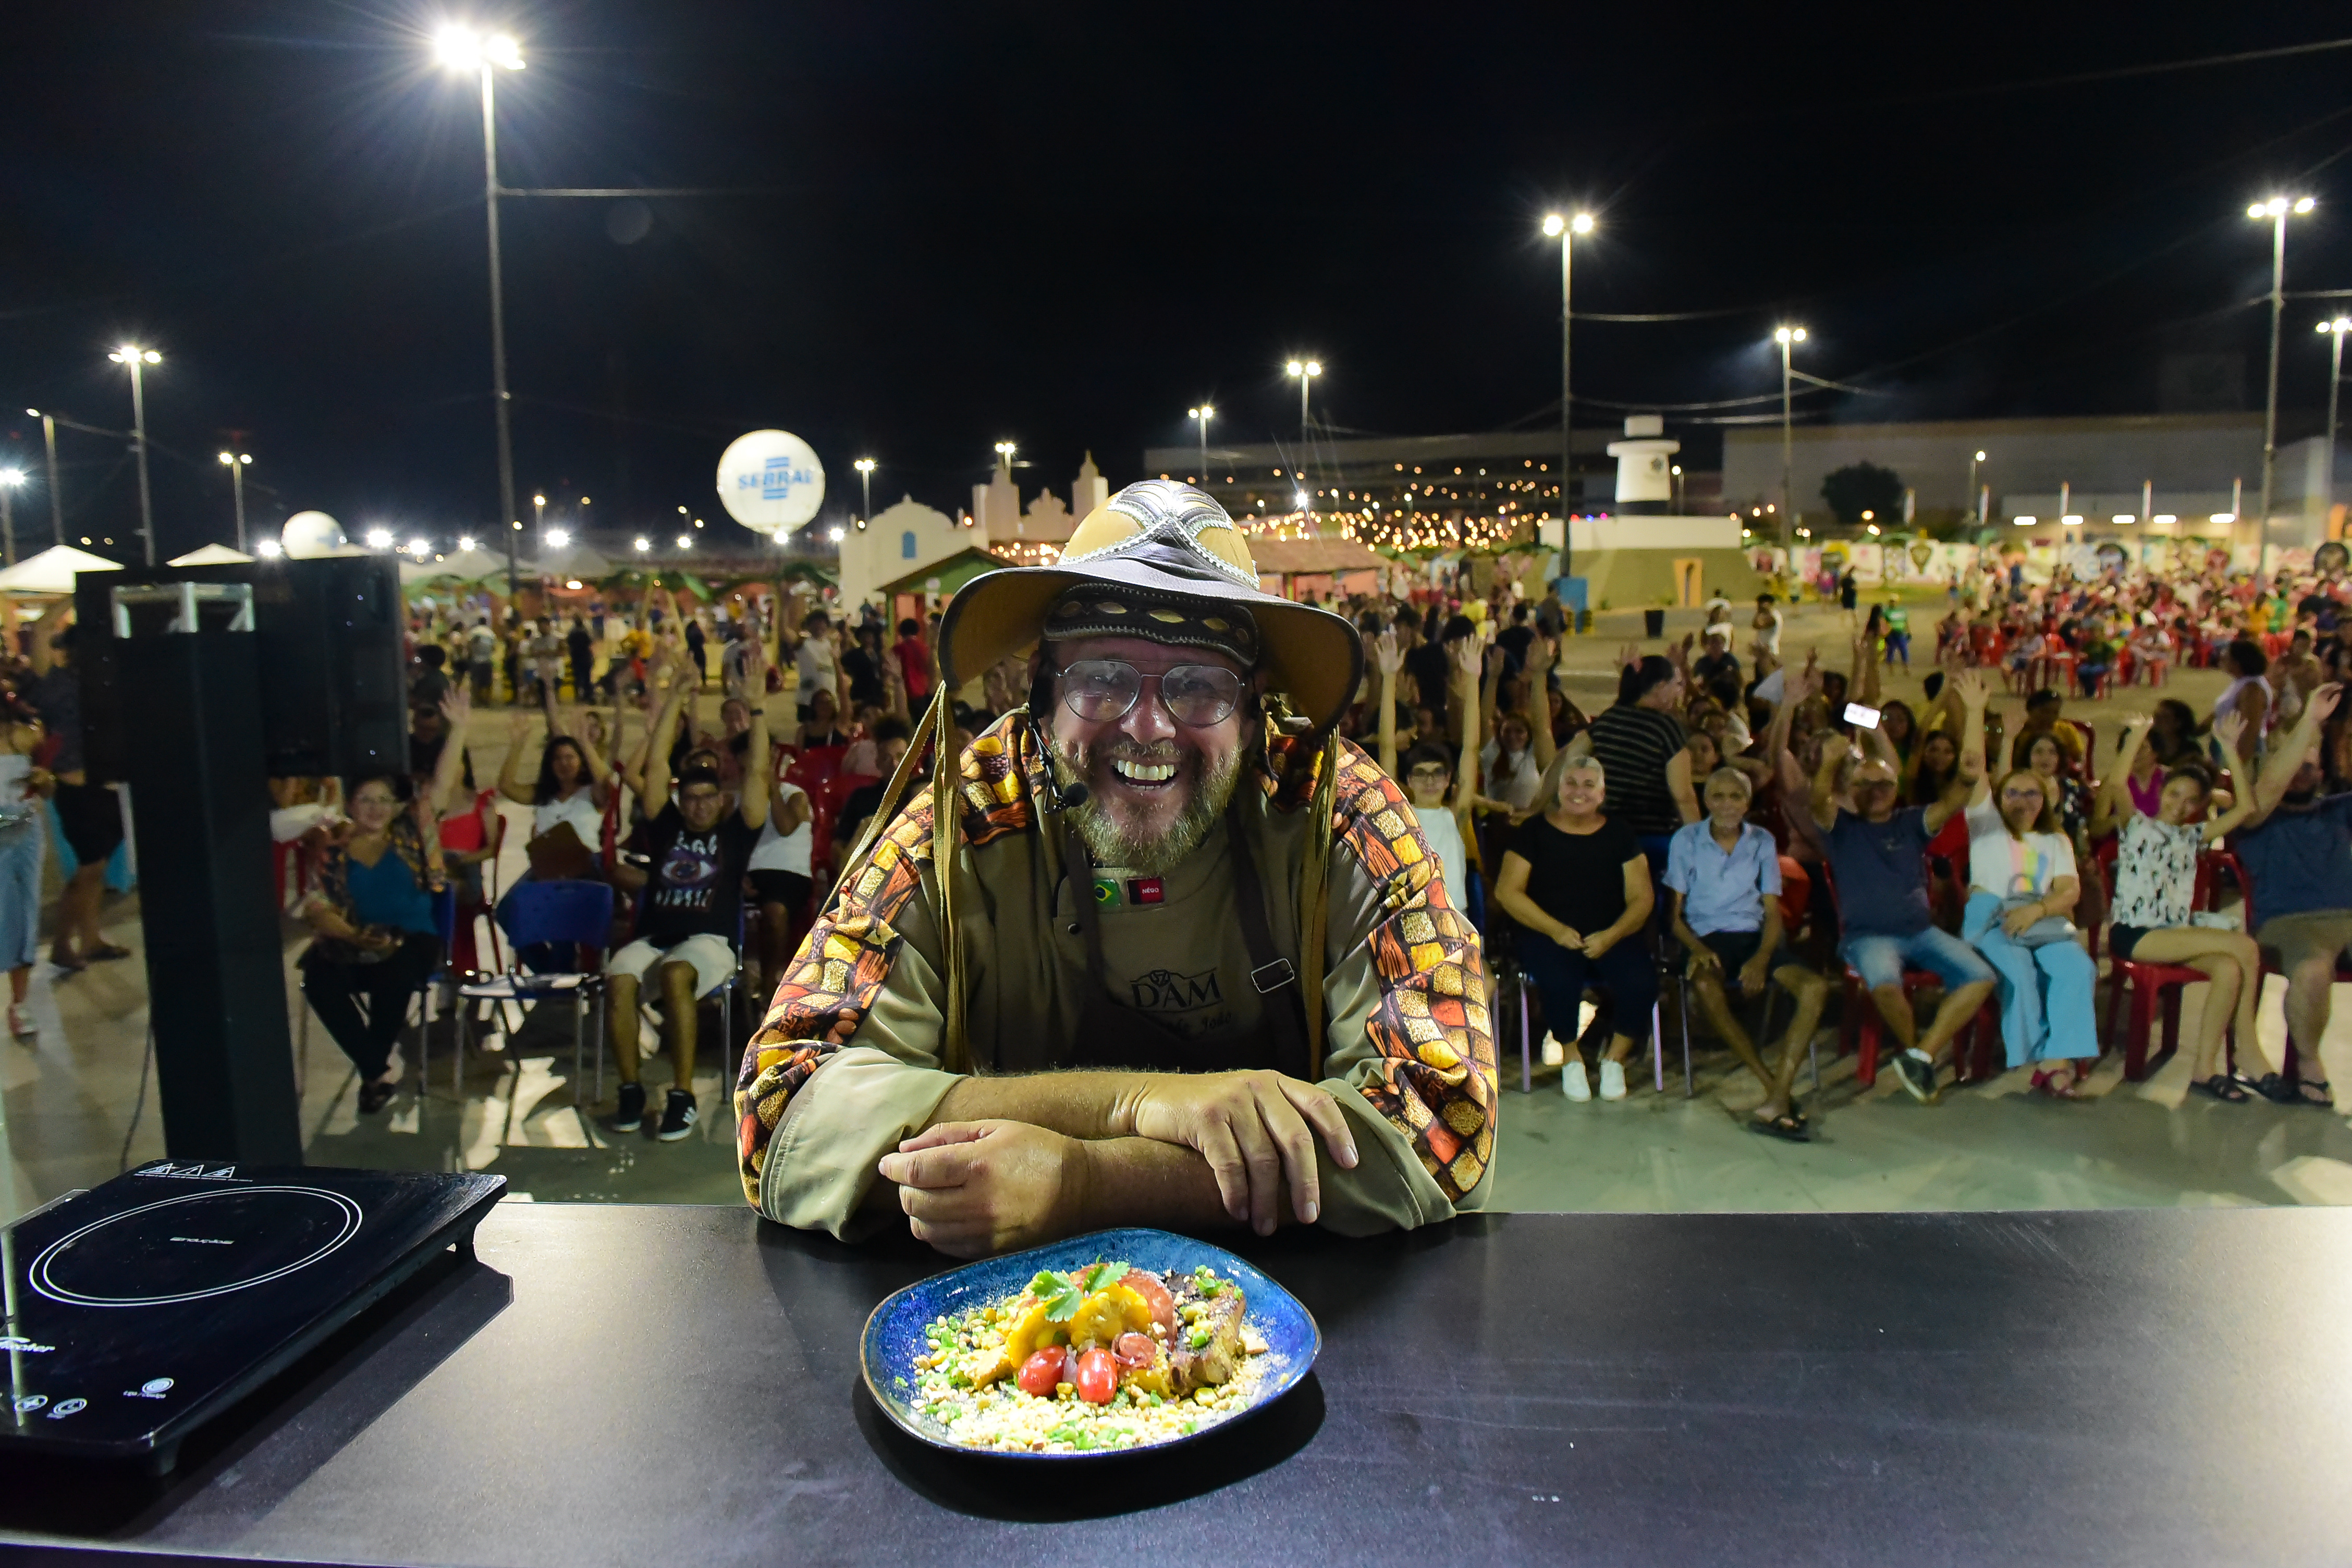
x: 679, y: 1384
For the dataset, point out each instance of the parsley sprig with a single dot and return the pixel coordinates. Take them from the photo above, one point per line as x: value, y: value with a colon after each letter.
x: 1062, y: 1293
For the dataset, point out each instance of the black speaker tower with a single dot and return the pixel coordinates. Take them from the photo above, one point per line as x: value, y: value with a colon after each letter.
x: 196, y: 712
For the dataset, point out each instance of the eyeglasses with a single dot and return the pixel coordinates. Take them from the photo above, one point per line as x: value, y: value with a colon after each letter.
x: 1428, y: 773
x: 1100, y: 691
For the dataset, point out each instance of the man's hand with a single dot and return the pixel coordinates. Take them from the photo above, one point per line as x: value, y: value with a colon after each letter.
x: 1598, y: 943
x: 975, y: 1188
x: 1753, y: 977
x: 2323, y: 702
x: 1253, y: 1130
x: 1570, y: 938
x: 1386, y: 654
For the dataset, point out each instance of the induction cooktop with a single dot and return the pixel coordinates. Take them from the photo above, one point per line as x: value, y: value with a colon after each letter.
x: 140, y: 1310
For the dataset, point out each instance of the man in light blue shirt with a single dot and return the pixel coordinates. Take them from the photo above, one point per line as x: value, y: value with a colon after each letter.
x: 1723, y: 881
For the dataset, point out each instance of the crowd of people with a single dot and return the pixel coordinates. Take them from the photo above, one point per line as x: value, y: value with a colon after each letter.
x: 1750, y: 827
x: 1753, y: 830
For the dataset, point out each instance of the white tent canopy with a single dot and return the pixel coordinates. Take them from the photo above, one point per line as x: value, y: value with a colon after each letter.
x: 52, y: 570
x: 573, y: 560
x: 211, y: 555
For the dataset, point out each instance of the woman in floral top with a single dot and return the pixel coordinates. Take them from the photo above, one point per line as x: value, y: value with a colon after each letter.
x: 2156, y: 883
x: 373, y: 908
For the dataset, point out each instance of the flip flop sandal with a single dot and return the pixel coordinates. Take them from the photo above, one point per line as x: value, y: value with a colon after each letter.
x: 2043, y: 1080
x: 2270, y: 1086
x: 2219, y: 1088
x: 106, y: 954
x: 2323, y: 1100
x: 1787, y: 1127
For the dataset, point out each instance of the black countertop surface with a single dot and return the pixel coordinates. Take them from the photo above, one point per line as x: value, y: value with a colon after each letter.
x: 657, y: 1386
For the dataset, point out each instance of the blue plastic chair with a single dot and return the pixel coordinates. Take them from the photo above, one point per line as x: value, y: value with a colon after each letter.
x: 535, y: 913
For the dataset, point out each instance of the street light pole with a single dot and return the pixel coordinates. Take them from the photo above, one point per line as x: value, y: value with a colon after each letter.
x: 9, y: 479
x: 461, y: 48
x: 1788, y: 337
x: 137, y: 358
x: 2277, y: 210
x: 236, y: 462
x: 1975, y: 461
x: 1201, y: 416
x: 1306, y: 371
x: 2335, y: 331
x: 1565, y: 230
x: 865, y: 467
x: 57, y: 503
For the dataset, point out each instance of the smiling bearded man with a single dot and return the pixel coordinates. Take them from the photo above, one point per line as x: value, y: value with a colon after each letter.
x: 1178, y: 956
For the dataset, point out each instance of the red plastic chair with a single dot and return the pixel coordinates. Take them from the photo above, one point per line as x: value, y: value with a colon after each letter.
x: 825, y: 802
x: 2148, y: 983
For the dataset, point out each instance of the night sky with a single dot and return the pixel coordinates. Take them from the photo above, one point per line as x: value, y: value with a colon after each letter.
x: 1061, y: 224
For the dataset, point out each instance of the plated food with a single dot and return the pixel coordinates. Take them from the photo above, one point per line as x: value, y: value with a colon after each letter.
x: 1127, y: 1346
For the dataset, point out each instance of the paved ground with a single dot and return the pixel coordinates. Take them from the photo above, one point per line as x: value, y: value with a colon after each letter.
x: 67, y: 1100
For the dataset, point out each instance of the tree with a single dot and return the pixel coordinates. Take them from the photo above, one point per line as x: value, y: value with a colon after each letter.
x: 1865, y: 487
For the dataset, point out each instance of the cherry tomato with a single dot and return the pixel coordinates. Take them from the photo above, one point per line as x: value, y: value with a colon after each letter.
x: 1131, y: 1349
x: 1041, y: 1372
x: 1098, y: 1377
x: 1155, y: 1296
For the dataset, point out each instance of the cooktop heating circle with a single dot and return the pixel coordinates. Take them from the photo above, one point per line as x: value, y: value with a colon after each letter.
x: 187, y: 1248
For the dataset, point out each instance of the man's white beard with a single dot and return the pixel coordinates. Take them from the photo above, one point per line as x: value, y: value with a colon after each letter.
x: 1210, y: 783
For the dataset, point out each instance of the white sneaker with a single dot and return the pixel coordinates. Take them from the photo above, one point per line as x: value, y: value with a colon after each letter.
x: 1572, y: 1082
x: 1612, y: 1080
x: 1554, y: 1053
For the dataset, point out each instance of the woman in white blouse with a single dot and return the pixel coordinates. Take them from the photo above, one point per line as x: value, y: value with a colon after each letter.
x: 2022, y: 885
x: 2156, y: 886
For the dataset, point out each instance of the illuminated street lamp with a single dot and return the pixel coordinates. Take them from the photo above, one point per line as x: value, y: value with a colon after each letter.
x: 1981, y: 506
x: 10, y: 479
x: 1564, y: 230
x: 379, y: 539
x: 2335, y: 331
x: 237, y: 463
x: 1304, y: 371
x: 462, y: 48
x: 2275, y: 209
x: 1788, y: 337
x: 1201, y: 416
x: 557, y: 539
x: 865, y: 467
x: 139, y: 359
x: 643, y: 543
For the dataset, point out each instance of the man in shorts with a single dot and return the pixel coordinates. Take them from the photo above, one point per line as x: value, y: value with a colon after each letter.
x: 690, y: 917
x: 2298, y: 851
x: 1878, y: 863
x: 1723, y: 878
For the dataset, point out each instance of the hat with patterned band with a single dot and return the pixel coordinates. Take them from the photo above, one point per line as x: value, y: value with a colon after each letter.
x: 1163, y: 562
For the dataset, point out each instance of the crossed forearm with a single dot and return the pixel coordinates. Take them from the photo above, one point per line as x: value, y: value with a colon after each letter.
x: 1090, y: 1105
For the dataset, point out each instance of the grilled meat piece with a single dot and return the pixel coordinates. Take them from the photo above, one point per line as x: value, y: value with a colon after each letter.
x: 1221, y: 1316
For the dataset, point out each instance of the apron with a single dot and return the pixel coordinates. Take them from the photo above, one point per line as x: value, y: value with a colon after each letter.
x: 1113, y: 1035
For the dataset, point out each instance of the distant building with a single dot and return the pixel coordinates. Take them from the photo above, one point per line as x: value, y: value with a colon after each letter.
x: 2188, y: 467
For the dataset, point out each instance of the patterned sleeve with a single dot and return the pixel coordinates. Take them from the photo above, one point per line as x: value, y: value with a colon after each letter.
x: 1430, y: 1071
x: 830, y: 984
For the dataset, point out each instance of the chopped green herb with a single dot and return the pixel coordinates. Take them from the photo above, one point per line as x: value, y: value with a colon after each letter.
x: 1059, y: 1293
x: 1196, y: 1340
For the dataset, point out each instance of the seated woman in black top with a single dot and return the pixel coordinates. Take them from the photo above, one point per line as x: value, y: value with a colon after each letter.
x: 1578, y: 885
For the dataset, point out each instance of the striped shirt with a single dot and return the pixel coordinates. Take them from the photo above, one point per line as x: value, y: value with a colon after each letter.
x: 1634, y: 744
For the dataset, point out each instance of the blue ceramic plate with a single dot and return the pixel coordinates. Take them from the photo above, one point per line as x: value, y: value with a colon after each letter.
x: 894, y: 1334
